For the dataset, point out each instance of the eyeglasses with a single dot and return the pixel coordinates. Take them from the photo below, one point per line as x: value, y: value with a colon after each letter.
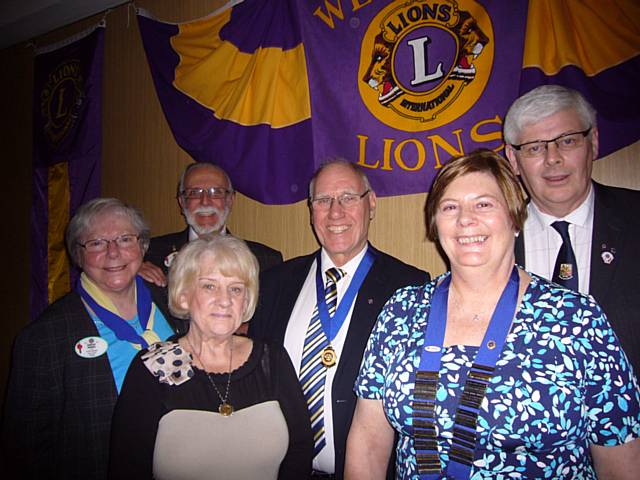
x: 564, y: 143
x: 346, y: 200
x: 98, y: 245
x: 199, y: 193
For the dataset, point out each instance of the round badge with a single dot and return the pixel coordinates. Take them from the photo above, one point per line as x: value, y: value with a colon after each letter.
x: 90, y: 347
x: 329, y: 357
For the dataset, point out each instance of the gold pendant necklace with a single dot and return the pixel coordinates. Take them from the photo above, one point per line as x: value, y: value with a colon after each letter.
x: 225, y: 409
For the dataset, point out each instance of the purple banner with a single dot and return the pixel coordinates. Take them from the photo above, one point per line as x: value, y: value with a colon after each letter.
x: 270, y: 90
x: 399, y: 87
x: 67, y: 138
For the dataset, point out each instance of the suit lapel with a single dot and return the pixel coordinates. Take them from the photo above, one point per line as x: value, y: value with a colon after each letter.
x: 365, y: 312
x: 292, y: 286
x: 607, y: 231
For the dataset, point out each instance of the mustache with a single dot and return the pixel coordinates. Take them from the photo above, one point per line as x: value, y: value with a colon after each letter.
x: 208, y: 211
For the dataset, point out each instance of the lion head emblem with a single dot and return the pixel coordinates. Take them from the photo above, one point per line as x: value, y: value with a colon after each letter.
x: 379, y: 76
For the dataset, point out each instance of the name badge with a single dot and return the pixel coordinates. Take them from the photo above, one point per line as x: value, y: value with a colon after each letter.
x: 91, y: 347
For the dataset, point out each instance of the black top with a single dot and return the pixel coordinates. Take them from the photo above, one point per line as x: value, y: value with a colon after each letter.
x: 58, y: 406
x: 266, y: 375
x: 164, y: 245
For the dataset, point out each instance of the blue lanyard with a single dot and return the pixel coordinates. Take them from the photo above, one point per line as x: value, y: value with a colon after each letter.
x: 468, y: 403
x: 331, y: 325
x: 117, y: 324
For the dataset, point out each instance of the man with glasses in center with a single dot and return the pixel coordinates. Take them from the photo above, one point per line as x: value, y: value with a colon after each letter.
x: 205, y: 196
x: 578, y: 233
x: 323, y: 306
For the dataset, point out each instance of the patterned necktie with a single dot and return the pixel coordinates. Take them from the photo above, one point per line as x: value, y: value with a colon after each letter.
x: 312, y: 371
x: 565, y: 272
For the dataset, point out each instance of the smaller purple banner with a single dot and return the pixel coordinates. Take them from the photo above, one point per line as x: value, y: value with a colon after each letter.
x: 67, y: 128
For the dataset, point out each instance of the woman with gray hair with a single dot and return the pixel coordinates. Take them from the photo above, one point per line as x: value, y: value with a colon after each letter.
x: 212, y: 404
x: 69, y: 364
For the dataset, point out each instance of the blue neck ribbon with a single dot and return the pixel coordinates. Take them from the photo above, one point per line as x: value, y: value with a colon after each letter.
x: 468, y: 402
x: 331, y: 325
x: 117, y: 324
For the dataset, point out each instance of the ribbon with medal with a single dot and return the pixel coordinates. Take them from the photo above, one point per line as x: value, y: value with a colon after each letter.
x: 331, y: 324
x: 467, y: 406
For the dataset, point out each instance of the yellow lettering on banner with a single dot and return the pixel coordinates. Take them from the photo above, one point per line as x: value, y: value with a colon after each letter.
x: 58, y: 282
x: 411, y: 154
x: 358, y: 4
x: 478, y: 137
x: 397, y: 155
x: 362, y: 156
x: 331, y: 10
x: 438, y: 141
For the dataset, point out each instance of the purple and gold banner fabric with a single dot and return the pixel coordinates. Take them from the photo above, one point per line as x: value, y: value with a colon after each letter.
x: 594, y: 47
x: 271, y: 89
x: 67, y: 144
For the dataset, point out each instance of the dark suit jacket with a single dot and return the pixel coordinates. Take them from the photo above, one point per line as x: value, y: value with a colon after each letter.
x: 162, y: 246
x: 279, y: 289
x: 58, y: 407
x: 616, y: 286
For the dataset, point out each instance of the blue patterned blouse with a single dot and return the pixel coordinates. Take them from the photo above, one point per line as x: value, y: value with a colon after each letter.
x: 561, y: 384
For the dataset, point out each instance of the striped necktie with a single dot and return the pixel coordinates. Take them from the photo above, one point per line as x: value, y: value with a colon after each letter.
x: 312, y: 371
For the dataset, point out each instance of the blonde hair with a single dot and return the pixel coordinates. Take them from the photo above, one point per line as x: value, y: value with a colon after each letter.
x: 232, y: 257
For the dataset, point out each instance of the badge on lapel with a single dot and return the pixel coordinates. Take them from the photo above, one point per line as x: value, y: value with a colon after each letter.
x: 90, y: 347
x: 607, y: 254
x: 168, y: 260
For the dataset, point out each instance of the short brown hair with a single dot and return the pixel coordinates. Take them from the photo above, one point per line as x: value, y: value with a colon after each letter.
x: 483, y: 161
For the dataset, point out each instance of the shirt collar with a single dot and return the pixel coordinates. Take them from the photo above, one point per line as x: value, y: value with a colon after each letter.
x: 349, y: 268
x: 193, y: 235
x: 579, y: 217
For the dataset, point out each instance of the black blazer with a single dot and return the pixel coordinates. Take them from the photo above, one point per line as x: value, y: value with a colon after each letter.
x: 160, y: 247
x: 57, y: 418
x: 615, y: 286
x: 279, y: 289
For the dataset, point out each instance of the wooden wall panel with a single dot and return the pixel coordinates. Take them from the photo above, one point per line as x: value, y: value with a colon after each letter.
x: 142, y: 163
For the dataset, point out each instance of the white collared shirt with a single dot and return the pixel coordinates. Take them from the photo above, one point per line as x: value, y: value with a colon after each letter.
x: 542, y: 242
x: 297, y: 331
x: 193, y: 235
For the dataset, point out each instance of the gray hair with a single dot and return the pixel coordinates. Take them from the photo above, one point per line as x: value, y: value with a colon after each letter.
x: 85, y: 216
x: 198, y: 165
x: 344, y: 162
x: 542, y: 102
x: 232, y: 257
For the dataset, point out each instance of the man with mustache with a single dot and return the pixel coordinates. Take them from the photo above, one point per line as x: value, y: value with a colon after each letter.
x: 578, y: 232
x: 205, y: 196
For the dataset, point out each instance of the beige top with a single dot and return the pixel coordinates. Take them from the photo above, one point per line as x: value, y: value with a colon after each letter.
x: 196, y: 445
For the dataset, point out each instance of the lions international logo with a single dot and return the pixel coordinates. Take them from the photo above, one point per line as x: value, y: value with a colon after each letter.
x: 424, y: 63
x: 61, y: 100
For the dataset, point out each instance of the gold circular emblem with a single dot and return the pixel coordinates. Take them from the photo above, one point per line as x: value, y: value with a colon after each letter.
x: 491, y: 344
x: 329, y: 357
x: 424, y: 63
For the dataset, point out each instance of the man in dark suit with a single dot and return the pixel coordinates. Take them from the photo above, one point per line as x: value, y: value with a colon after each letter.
x: 205, y: 196
x: 551, y: 140
x: 342, y: 204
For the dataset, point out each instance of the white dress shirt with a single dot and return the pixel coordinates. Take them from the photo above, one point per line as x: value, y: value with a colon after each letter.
x: 297, y: 331
x: 542, y: 242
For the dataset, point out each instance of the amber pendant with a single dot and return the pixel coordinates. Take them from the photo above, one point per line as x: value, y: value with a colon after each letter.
x: 225, y: 409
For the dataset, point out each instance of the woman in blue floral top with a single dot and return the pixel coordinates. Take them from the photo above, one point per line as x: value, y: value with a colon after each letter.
x: 489, y: 371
